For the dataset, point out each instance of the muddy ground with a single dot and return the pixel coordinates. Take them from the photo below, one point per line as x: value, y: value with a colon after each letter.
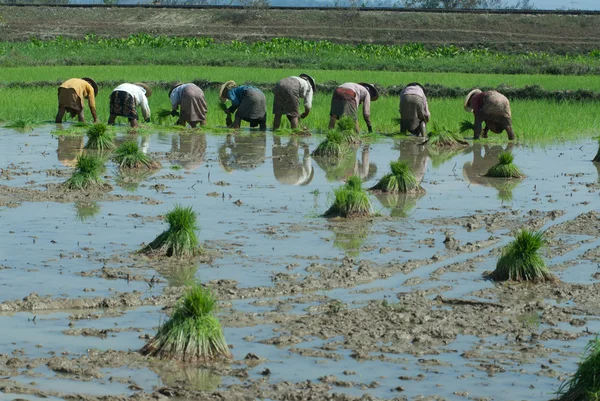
x: 397, y: 306
x: 519, y: 33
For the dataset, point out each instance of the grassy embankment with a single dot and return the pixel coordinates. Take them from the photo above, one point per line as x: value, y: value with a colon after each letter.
x: 285, y: 52
x: 534, y: 120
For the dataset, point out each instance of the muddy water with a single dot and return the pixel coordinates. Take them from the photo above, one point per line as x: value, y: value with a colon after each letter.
x: 379, y: 306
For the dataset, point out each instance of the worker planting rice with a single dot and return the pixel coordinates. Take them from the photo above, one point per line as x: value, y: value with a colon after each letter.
x: 247, y: 102
x: 70, y: 98
x: 126, y: 98
x: 288, y: 93
x: 346, y: 100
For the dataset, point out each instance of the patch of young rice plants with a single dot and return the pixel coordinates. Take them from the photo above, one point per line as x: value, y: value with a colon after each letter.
x: 505, y: 168
x: 521, y: 261
x: 400, y: 179
x: 180, y: 238
x: 130, y: 156
x: 584, y: 385
x: 334, y: 145
x: 88, y: 172
x: 20, y: 125
x: 351, y: 200
x: 193, y: 333
x: 441, y: 137
x: 99, y: 138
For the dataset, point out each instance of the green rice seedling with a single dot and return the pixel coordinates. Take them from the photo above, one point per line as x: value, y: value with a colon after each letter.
x: 99, y: 138
x: 85, y: 210
x: 401, y: 179
x: 179, y: 239
x: 350, y: 201
x: 163, y: 114
x: 505, y: 168
x: 193, y: 333
x: 88, y: 171
x: 20, y: 125
x: 466, y: 125
x: 442, y: 137
x: 334, y: 145
x: 584, y: 385
x: 130, y: 156
x: 520, y: 260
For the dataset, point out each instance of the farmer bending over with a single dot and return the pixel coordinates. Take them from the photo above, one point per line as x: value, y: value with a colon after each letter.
x: 70, y: 98
x: 490, y: 107
x: 414, y: 111
x: 346, y: 99
x: 190, y: 99
x: 250, y: 103
x: 288, y: 93
x: 125, y: 99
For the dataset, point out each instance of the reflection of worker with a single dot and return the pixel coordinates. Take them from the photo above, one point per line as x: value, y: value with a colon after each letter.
x: 347, y: 98
x: 70, y: 98
x: 472, y: 171
x: 243, y: 152
x: 415, y: 155
x: 125, y: 99
x: 491, y: 108
x: 363, y: 168
x: 414, y: 110
x: 340, y: 169
x: 69, y: 149
x: 247, y: 102
x: 188, y: 150
x: 286, y: 166
x: 288, y: 93
x: 190, y: 99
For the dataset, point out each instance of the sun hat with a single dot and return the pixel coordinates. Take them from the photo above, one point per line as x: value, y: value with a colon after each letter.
x: 93, y: 83
x: 310, y: 80
x: 372, y: 90
x: 415, y: 84
x: 474, y: 92
x: 225, y: 87
x: 146, y: 87
x: 178, y: 84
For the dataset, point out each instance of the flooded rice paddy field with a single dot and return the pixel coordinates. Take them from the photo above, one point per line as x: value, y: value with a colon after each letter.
x: 392, y: 307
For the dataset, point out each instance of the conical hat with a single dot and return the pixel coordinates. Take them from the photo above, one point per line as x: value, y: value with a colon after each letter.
x: 146, y: 87
x: 310, y: 80
x: 93, y: 83
x: 175, y: 86
x: 225, y: 87
x: 372, y: 90
x: 468, y: 108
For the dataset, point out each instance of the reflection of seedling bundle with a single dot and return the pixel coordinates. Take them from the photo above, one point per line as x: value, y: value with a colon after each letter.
x: 351, y: 237
x: 337, y: 168
x: 401, y: 179
x: 86, y: 210
x: 130, y: 179
x: 439, y: 156
x: 88, y: 171
x: 505, y: 168
x: 584, y: 385
x: 334, y: 145
x: 130, y: 156
x: 193, y: 333
x: 401, y: 204
x: 193, y: 377
x: 351, y: 200
x: 441, y: 137
x: 99, y: 138
x: 179, y: 275
x: 179, y: 239
x: 520, y: 260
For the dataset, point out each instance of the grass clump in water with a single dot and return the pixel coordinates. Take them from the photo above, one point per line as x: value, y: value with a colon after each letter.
x: 193, y: 333
x: 129, y: 155
x: 444, y: 138
x: 520, y: 260
x: 99, y: 138
x: 584, y: 385
x: 334, y: 145
x: 180, y: 238
x: 21, y: 124
x: 401, y: 179
x: 505, y: 168
x: 88, y: 171
x: 351, y: 200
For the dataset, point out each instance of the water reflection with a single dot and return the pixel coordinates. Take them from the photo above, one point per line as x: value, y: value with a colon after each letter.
x: 191, y: 376
x: 69, y: 149
x: 350, y: 236
x: 484, y: 157
x: 179, y: 275
x: 243, y: 152
x: 130, y: 179
x: 400, y: 204
x: 341, y: 168
x: 287, y: 167
x: 415, y: 155
x: 188, y: 150
x: 86, y: 210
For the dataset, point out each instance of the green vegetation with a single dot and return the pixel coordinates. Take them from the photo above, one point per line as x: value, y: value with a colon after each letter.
x: 193, y: 333
x: 351, y: 200
x: 21, y: 125
x: 401, y: 179
x: 520, y: 260
x: 179, y: 239
x: 334, y: 145
x: 505, y: 168
x: 130, y: 156
x: 286, y: 52
x: 584, y: 385
x: 88, y: 171
x: 99, y: 138
x: 441, y: 137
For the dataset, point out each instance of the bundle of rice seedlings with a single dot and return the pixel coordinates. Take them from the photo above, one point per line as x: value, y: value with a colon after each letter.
x: 520, y: 260
x: 351, y: 200
x: 465, y: 126
x: 346, y: 123
x: 584, y: 385
x: 401, y: 179
x: 334, y: 145
x: 99, y: 138
x: 163, y: 114
x: 179, y: 239
x: 88, y: 171
x: 86, y: 210
x: 193, y: 333
x: 441, y: 137
x: 129, y: 155
x: 505, y: 167
x: 222, y: 106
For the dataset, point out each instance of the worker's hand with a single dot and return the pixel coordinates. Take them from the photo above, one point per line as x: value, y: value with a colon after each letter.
x: 304, y: 115
x: 174, y: 113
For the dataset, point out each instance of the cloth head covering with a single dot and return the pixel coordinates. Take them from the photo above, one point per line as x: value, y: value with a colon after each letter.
x: 225, y: 87
x: 93, y: 83
x: 146, y: 87
x: 310, y: 80
x: 474, y: 92
x: 416, y: 84
x: 175, y: 86
x: 372, y: 90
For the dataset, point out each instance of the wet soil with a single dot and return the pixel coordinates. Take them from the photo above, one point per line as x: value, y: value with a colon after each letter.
x: 396, y: 306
